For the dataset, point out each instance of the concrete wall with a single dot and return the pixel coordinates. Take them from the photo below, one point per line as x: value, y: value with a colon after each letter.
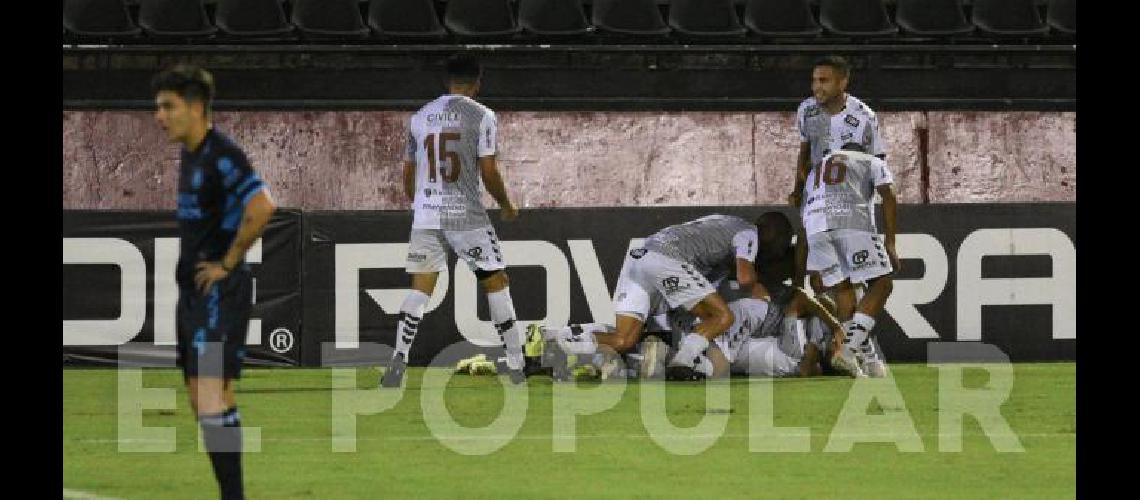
x: 351, y: 160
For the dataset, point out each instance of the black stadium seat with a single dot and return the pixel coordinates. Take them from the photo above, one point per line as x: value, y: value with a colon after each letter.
x: 480, y: 18
x: 932, y: 17
x: 328, y: 18
x: 175, y: 18
x: 629, y: 17
x: 780, y: 18
x: 98, y: 18
x: 252, y: 18
x: 1008, y: 17
x: 405, y: 18
x: 553, y: 17
x: 856, y: 18
x: 1062, y: 16
x: 704, y: 18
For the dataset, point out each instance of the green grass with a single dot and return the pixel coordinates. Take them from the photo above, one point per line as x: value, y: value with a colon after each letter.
x: 398, y: 457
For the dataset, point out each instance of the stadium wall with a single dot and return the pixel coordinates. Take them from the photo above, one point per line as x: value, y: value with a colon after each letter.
x: 349, y: 160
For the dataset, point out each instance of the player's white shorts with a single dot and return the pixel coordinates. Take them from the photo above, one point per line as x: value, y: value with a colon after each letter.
x: 842, y: 254
x: 648, y: 277
x: 428, y: 248
x: 773, y: 356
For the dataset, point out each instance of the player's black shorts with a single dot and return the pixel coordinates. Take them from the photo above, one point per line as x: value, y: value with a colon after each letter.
x: 212, y: 327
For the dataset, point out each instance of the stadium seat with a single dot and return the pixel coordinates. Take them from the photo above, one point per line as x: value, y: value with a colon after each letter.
x: 856, y: 18
x: 175, y: 18
x: 553, y: 17
x: 252, y: 18
x: 704, y: 18
x: 932, y: 17
x: 98, y: 18
x: 629, y: 17
x: 1062, y: 16
x: 780, y: 18
x: 339, y: 18
x: 405, y: 18
x: 1008, y: 17
x: 480, y: 18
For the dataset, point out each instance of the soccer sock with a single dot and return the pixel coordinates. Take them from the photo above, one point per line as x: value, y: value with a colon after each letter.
x: 221, y: 433
x: 411, y: 313
x: 692, y: 346
x: 503, y: 316
x: 858, y: 329
x: 577, y: 339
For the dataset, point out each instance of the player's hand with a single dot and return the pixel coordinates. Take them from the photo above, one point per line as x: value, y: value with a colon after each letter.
x: 892, y: 255
x: 208, y: 274
x: 509, y: 213
x: 794, y: 199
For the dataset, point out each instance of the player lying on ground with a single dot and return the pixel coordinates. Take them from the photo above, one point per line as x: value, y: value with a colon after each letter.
x: 677, y: 265
x: 770, y: 337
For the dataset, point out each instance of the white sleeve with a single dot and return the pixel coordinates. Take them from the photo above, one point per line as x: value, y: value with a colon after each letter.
x: 880, y: 173
x: 746, y: 244
x: 488, y: 134
x: 872, y: 139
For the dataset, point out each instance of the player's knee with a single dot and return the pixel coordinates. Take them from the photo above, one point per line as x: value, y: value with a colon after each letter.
x: 724, y: 319
x: 626, y: 340
x: 492, y: 281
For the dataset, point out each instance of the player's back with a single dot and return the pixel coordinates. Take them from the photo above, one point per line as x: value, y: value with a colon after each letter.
x: 707, y: 242
x: 446, y: 137
x: 841, y: 190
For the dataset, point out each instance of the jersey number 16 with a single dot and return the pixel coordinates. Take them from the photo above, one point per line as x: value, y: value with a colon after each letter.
x: 834, y: 172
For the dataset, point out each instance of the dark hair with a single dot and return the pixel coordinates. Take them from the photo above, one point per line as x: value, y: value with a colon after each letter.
x: 839, y: 64
x: 463, y: 68
x: 853, y: 146
x: 775, y: 228
x: 190, y: 82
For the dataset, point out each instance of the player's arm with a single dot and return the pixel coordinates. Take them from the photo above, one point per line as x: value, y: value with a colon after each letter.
x: 803, y: 166
x: 410, y: 179
x: 494, y: 182
x: 803, y: 304
x: 747, y: 245
x: 258, y: 210
x: 890, y: 221
x: 801, y: 255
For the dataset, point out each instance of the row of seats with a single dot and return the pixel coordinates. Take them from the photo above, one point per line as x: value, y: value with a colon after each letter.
x: 418, y: 19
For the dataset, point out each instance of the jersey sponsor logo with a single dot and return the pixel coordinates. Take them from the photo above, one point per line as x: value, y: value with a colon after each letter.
x: 811, y: 111
x: 859, y: 257
x: 673, y: 285
x: 851, y: 120
x: 417, y: 257
x: 637, y: 253
x: 846, y: 136
x: 476, y: 253
x: 447, y: 116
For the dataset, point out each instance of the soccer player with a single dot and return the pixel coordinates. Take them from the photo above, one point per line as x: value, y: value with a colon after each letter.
x: 826, y: 121
x: 450, y: 152
x: 678, y: 265
x: 223, y: 207
x: 843, y: 242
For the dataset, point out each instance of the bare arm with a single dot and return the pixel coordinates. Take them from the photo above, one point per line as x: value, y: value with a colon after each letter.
x: 890, y: 221
x: 253, y: 221
x: 494, y: 182
x: 803, y: 166
x: 410, y: 179
x: 804, y: 304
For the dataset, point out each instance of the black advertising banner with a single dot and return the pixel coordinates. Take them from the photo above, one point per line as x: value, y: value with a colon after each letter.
x: 119, y: 293
x: 1003, y: 274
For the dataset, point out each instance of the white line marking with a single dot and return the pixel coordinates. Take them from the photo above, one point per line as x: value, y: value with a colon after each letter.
x: 83, y: 495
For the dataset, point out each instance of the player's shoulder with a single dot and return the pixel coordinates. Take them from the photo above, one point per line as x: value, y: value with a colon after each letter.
x: 480, y: 107
x: 856, y: 105
x: 809, y: 108
x: 225, y: 151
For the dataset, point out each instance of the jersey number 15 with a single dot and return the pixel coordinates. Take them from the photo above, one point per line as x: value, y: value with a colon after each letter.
x: 451, y: 157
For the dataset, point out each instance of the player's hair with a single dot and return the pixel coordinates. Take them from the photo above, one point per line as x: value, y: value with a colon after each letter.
x: 854, y: 146
x: 463, y: 68
x: 190, y: 82
x: 839, y: 64
x: 774, y: 227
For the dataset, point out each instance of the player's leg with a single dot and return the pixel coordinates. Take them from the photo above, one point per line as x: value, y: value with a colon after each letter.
x: 715, y: 317
x: 426, y: 258
x: 496, y: 285
x: 868, y: 263
x: 762, y: 357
